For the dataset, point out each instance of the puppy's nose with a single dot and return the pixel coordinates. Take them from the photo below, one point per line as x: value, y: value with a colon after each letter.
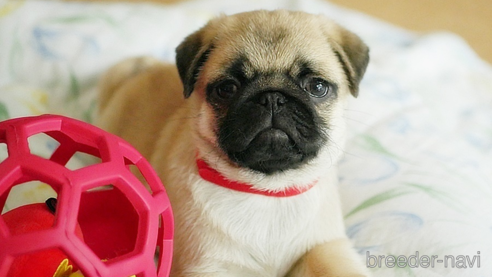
x: 272, y: 99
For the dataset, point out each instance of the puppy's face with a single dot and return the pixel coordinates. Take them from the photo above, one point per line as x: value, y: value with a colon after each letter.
x: 271, y: 84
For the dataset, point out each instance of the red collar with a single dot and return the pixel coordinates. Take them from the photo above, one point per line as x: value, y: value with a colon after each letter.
x: 213, y: 176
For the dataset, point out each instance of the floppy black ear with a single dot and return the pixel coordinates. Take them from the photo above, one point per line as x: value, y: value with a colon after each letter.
x: 191, y: 54
x: 353, y: 54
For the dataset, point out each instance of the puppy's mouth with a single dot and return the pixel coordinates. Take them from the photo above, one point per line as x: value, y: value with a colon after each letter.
x: 270, y: 139
x: 270, y: 151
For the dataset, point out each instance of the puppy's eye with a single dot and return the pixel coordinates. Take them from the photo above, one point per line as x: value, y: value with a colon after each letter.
x: 226, y: 89
x: 316, y: 87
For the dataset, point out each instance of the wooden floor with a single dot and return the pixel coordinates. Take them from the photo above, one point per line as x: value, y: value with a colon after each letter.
x: 471, y: 19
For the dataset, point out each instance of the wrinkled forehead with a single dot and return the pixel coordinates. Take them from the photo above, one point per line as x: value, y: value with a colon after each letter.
x: 273, y: 47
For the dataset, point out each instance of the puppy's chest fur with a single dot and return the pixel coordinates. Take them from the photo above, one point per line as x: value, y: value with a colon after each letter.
x: 254, y: 233
x: 271, y: 231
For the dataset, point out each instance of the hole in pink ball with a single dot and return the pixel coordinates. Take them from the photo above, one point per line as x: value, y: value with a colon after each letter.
x: 104, y: 213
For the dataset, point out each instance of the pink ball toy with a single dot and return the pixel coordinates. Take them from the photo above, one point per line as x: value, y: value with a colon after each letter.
x: 127, y: 227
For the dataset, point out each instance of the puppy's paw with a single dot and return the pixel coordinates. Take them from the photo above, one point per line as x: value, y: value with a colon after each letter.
x: 335, y: 258
x: 121, y: 72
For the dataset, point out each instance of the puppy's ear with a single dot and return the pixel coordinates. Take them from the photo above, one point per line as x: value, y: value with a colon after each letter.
x: 353, y: 54
x: 191, y: 54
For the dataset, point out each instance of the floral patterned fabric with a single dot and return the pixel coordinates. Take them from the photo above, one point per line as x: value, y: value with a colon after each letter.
x: 417, y: 170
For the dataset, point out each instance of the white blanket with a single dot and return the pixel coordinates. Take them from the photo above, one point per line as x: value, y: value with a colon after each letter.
x: 416, y: 178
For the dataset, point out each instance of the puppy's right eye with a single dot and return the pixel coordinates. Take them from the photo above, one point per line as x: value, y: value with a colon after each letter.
x: 226, y: 89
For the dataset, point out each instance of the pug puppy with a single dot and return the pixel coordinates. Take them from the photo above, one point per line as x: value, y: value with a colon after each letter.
x: 249, y: 155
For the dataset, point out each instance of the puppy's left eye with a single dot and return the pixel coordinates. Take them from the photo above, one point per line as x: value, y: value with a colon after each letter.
x: 316, y: 87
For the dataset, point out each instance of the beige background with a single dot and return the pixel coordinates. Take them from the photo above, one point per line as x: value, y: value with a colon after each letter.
x: 471, y: 19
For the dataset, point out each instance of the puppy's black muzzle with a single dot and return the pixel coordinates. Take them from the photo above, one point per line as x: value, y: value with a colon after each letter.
x: 271, y: 131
